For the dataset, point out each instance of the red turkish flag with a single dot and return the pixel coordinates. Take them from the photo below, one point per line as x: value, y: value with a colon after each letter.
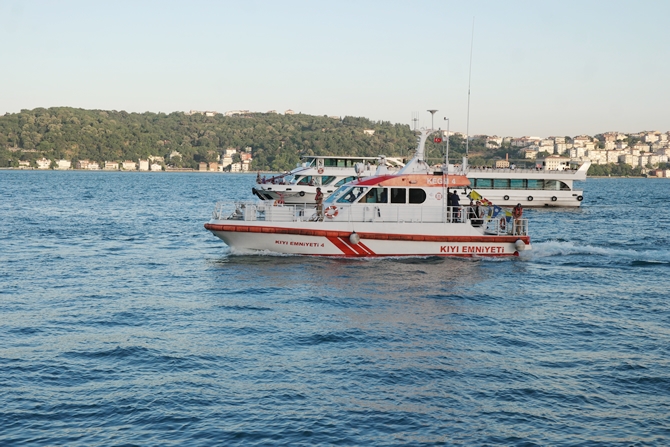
x: 437, y: 140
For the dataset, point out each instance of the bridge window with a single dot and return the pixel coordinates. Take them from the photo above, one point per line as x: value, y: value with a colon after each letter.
x: 417, y: 195
x: 352, y: 194
x: 398, y: 195
x: 375, y: 195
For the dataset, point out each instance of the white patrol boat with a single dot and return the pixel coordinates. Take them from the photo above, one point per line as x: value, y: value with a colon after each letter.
x: 402, y: 214
x: 325, y: 172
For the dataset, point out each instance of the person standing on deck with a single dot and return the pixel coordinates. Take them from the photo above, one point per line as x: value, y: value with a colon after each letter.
x: 517, y: 212
x: 455, y: 202
x: 318, y: 198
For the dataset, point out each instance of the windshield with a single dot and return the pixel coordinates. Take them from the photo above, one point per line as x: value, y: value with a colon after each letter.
x: 351, y: 194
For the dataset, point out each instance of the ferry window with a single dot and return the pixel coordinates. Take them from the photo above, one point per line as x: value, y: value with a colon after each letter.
x: 535, y: 184
x: 516, y: 183
x: 329, y: 162
x: 325, y: 180
x: 501, y: 183
x: 398, y: 195
x: 417, y: 195
x: 344, y: 180
x: 306, y: 180
x: 564, y: 186
x: 375, y: 195
x: 551, y: 185
x: 485, y: 183
x: 352, y: 194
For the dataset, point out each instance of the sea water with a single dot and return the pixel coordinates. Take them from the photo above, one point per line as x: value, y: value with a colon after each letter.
x: 124, y: 322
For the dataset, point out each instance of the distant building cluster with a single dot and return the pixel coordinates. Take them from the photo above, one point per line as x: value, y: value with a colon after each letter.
x: 643, y: 149
x: 154, y: 163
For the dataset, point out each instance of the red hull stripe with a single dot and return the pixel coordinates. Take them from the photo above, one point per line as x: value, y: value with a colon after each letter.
x: 358, y: 248
x: 342, y: 246
x: 366, y: 249
x: 381, y: 236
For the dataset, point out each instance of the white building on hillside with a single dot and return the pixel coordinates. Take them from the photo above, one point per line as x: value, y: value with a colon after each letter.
x: 63, y: 165
x: 43, y: 163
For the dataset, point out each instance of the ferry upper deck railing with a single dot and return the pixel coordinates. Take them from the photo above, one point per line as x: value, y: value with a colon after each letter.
x: 500, y: 223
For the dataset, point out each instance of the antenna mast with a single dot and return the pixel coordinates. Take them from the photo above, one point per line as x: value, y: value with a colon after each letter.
x: 467, y: 125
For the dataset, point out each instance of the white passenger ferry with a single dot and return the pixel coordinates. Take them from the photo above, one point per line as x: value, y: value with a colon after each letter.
x: 327, y: 172
x: 402, y: 214
x: 546, y: 185
x: 542, y: 186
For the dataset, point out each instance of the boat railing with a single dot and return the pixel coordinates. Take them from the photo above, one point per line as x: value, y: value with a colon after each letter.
x: 522, y: 170
x: 500, y: 223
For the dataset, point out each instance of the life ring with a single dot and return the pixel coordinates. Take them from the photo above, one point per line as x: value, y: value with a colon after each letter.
x: 320, y: 170
x: 331, y: 211
x: 505, y: 197
x: 278, y: 202
x: 580, y: 198
x: 553, y: 199
x: 301, y: 193
x: 503, y: 224
x: 530, y: 198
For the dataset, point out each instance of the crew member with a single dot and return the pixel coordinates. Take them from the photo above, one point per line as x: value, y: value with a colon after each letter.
x: 517, y: 212
x: 455, y: 202
x: 318, y: 198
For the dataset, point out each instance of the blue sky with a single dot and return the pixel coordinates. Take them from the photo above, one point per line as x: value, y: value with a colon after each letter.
x: 539, y: 68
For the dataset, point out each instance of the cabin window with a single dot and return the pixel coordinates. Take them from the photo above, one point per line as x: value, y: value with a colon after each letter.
x: 344, y: 180
x: 352, y: 194
x: 306, y: 180
x: 417, y: 195
x: 517, y: 183
x: 375, y: 195
x: 398, y: 195
x: 327, y: 179
x: 551, y: 185
x: 564, y: 187
x: 485, y: 183
x: 501, y: 183
x: 535, y: 184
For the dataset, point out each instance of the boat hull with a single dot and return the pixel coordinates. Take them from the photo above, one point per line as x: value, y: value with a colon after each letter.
x: 532, y: 199
x: 321, y: 239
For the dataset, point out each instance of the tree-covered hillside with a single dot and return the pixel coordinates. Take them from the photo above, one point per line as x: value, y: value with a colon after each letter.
x: 276, y: 141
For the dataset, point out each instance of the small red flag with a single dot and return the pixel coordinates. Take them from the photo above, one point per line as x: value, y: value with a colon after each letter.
x: 437, y: 140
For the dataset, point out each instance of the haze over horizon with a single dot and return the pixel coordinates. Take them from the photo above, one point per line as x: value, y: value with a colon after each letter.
x: 537, y: 69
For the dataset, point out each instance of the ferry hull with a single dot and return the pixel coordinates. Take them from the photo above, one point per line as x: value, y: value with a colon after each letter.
x: 338, y: 243
x: 532, y: 199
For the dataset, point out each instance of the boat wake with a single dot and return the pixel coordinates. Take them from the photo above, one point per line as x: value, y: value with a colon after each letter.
x: 551, y: 249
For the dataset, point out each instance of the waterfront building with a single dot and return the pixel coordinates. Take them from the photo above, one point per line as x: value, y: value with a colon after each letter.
x: 43, y: 163
x: 129, y: 166
x: 63, y: 165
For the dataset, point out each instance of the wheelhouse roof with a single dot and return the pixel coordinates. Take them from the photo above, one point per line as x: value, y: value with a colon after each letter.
x: 418, y: 180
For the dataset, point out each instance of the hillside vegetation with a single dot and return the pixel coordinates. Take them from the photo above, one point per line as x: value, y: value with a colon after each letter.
x: 277, y: 141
